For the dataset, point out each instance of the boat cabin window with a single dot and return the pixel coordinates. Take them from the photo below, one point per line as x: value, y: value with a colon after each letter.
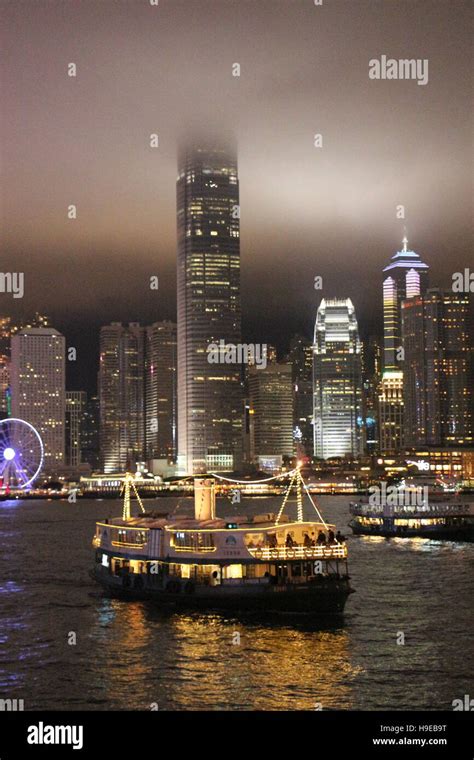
x: 193, y: 541
x: 127, y: 537
x: 233, y: 571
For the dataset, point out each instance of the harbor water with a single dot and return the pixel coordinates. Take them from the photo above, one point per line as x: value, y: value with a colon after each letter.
x: 404, y: 642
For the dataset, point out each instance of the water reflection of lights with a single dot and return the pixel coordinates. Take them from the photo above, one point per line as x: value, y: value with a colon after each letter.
x: 275, y: 667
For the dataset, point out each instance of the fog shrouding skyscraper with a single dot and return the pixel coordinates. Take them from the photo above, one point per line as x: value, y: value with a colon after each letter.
x: 337, y: 381
x: 160, y: 391
x: 122, y: 396
x: 38, y: 383
x: 209, y: 395
x: 404, y: 277
x: 438, y: 391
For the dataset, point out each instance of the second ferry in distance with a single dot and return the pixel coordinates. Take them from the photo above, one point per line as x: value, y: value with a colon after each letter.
x: 448, y: 518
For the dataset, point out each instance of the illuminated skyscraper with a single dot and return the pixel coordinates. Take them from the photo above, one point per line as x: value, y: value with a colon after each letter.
x: 5, y: 334
x: 406, y: 276
x: 90, y: 436
x: 160, y: 391
x: 210, y: 407
x: 371, y: 377
x: 122, y: 396
x: 414, y: 385
x: 75, y: 406
x: 301, y: 359
x: 5, y: 391
x: 38, y: 388
x: 337, y: 381
x: 438, y: 392
x: 271, y: 411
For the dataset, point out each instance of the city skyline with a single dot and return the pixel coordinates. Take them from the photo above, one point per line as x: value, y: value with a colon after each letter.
x: 332, y: 209
x: 236, y: 371
x: 85, y: 338
x: 139, y: 381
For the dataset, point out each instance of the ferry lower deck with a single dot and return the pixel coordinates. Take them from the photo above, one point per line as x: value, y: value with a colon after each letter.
x: 314, y: 586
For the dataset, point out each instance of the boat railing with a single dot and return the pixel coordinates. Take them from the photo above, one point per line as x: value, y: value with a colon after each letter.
x: 334, y: 551
x: 245, y: 581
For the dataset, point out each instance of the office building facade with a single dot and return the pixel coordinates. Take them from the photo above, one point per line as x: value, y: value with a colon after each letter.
x: 438, y: 394
x: 405, y: 276
x: 38, y: 389
x: 210, y: 408
x: 75, y: 406
x: 122, y: 396
x: 271, y: 411
x: 337, y: 381
x: 160, y: 391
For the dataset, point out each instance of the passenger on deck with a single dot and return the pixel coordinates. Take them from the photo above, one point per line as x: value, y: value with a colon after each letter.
x: 340, y: 538
x: 331, y: 538
x: 272, y: 540
x: 313, y: 539
x: 321, y: 538
x: 289, y: 541
x: 306, y: 541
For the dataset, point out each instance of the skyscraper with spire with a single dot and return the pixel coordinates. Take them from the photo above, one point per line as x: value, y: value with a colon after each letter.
x: 405, y: 276
x: 210, y: 396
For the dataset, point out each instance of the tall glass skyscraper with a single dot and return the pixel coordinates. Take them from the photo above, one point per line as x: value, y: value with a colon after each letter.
x: 405, y: 276
x: 301, y: 359
x: 122, y: 396
x: 210, y: 397
x: 337, y: 381
x: 271, y: 410
x: 75, y: 405
x: 437, y: 387
x: 160, y: 391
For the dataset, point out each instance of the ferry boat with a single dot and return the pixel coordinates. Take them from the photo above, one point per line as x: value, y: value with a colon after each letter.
x: 265, y: 563
x: 446, y: 519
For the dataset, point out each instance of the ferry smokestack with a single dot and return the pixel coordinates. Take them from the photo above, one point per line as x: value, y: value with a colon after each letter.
x: 204, y: 498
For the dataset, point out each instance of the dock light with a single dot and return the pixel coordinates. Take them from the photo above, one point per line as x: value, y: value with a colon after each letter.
x: 9, y: 454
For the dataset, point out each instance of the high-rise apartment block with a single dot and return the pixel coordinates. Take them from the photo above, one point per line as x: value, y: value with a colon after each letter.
x: 38, y: 388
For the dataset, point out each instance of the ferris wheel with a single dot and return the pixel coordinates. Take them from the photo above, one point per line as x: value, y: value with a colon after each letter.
x: 21, y: 453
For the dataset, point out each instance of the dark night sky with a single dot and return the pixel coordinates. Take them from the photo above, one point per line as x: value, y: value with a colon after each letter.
x: 304, y: 211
